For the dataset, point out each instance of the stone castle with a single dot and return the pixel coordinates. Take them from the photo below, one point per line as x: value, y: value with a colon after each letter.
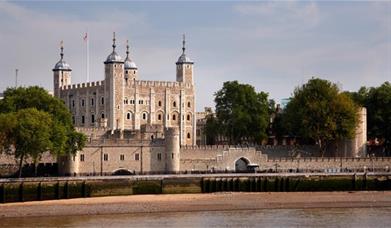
x: 123, y: 103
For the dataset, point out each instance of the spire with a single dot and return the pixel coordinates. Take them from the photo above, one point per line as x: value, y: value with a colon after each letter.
x: 127, y: 48
x: 183, y: 43
x: 62, y: 49
x: 114, y: 41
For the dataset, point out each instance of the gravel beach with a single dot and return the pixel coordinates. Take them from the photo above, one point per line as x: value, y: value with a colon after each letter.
x: 196, y: 202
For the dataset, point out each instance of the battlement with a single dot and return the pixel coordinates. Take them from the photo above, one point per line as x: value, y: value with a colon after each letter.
x: 329, y: 159
x: 216, y: 147
x: 170, y: 84
x: 83, y: 85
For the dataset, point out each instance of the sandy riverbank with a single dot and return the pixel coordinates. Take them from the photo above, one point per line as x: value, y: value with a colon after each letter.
x: 195, y: 202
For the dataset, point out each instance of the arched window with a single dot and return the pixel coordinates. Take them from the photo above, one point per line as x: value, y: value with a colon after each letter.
x: 103, y: 115
x: 102, y: 100
x: 160, y: 103
x: 188, y: 135
x: 128, y: 115
x: 174, y: 104
x: 82, y: 102
x: 173, y: 117
x: 159, y: 117
x: 188, y: 117
x: 144, y: 116
x: 82, y: 119
x: 92, y: 118
x: 188, y: 104
x: 92, y: 101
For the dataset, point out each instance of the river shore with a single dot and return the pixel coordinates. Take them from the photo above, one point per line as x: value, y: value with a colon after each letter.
x: 196, y: 202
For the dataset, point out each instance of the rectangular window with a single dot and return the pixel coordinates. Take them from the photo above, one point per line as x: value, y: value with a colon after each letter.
x: 137, y: 157
x: 102, y: 101
x: 159, y: 156
x: 81, y: 157
x: 92, y: 101
x: 73, y: 103
x: 82, y: 102
x: 105, y: 157
x: 172, y: 155
x: 122, y: 157
x: 82, y: 119
x: 140, y: 102
x: 92, y: 118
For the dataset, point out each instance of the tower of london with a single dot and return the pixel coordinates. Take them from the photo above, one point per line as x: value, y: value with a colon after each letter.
x: 122, y: 102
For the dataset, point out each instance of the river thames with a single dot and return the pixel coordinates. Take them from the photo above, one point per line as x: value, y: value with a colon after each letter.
x: 314, y: 217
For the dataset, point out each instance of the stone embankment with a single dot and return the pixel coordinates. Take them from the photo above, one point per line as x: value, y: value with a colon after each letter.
x: 32, y: 189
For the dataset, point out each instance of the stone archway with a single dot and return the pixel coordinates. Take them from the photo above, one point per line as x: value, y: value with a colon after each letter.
x: 122, y: 172
x: 241, y: 164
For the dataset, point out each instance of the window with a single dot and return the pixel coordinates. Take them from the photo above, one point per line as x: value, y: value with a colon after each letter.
x: 126, y: 101
x: 188, y: 117
x: 137, y: 157
x: 140, y: 102
x: 103, y: 115
x: 159, y: 156
x: 128, y: 116
x: 122, y: 157
x: 92, y: 118
x: 81, y: 157
x: 131, y: 101
x: 82, y: 119
x: 102, y: 100
x: 172, y: 155
x: 160, y: 103
x: 126, y: 72
x: 188, y: 104
x: 92, y: 101
x: 82, y: 102
x: 173, y: 117
x: 188, y: 135
x: 159, y: 117
x: 105, y: 157
x: 144, y: 116
x: 73, y: 103
x: 174, y: 104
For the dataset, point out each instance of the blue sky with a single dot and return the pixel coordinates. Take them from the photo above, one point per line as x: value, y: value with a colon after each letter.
x: 274, y: 46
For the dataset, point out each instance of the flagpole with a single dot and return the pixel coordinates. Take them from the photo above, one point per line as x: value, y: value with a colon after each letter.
x: 88, y: 58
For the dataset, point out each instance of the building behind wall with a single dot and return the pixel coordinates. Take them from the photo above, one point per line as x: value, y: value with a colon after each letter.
x: 122, y: 102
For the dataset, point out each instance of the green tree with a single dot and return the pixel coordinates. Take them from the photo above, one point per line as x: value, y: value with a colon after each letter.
x: 212, y: 129
x: 63, y: 137
x: 378, y: 106
x: 377, y: 101
x: 241, y: 112
x: 318, y: 111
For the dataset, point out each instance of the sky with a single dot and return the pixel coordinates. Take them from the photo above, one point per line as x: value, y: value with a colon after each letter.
x: 274, y: 46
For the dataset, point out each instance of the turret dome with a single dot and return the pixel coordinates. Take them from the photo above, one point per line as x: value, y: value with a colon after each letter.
x: 183, y: 58
x: 129, y: 64
x: 62, y: 65
x: 114, y: 57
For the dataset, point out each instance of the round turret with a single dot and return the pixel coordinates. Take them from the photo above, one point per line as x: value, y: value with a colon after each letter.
x: 171, y: 136
x: 62, y: 65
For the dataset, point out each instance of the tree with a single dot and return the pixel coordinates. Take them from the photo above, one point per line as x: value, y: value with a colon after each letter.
x: 318, y: 111
x: 377, y: 101
x: 241, y: 112
x: 212, y: 129
x: 38, y: 103
x: 378, y: 106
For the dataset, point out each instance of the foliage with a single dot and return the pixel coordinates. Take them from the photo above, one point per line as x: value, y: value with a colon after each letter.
x: 377, y: 100
x: 212, y: 129
x: 318, y: 111
x: 241, y: 112
x: 40, y: 122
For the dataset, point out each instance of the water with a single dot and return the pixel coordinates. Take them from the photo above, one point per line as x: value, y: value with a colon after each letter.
x: 319, y: 217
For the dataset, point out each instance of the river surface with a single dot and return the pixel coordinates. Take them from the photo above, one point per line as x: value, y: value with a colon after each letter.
x: 319, y: 217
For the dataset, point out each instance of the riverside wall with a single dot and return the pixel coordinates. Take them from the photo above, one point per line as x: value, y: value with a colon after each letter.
x: 31, y: 189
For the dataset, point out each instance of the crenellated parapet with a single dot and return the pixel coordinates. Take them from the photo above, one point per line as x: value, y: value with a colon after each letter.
x: 83, y: 85
x: 165, y: 84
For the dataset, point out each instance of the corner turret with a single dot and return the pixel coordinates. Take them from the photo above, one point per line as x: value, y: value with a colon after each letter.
x: 184, y: 66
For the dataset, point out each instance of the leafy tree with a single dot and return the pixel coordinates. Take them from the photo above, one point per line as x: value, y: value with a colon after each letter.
x: 241, y: 112
x: 212, y: 129
x: 318, y: 111
x: 377, y: 100
x: 378, y: 106
x: 62, y: 136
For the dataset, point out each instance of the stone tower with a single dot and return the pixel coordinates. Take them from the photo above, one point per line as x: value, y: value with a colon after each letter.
x: 130, y: 67
x: 172, y: 150
x: 61, y: 73
x: 184, y: 67
x: 114, y: 89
